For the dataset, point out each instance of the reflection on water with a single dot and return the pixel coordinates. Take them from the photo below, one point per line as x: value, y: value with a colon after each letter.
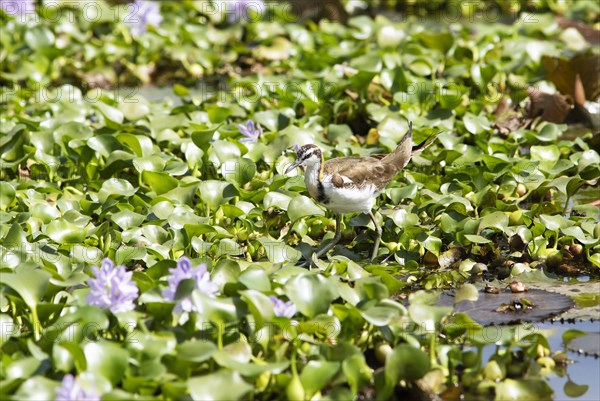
x: 584, y: 371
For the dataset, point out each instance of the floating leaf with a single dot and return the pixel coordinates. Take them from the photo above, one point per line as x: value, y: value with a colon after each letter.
x: 301, y: 206
x: 7, y: 195
x: 311, y: 293
x: 523, y: 389
x: 406, y: 363
x: 64, y: 232
x: 107, y: 360
x: 316, y: 374
x: 222, y: 385
x: 159, y: 182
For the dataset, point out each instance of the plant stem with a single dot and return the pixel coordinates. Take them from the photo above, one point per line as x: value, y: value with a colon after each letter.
x: 36, y: 323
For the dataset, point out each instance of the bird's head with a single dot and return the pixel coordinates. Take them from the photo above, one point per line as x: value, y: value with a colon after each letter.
x: 307, y: 155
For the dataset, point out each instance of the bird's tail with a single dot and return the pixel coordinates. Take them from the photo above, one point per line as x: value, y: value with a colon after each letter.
x: 425, y: 144
x: 405, y: 150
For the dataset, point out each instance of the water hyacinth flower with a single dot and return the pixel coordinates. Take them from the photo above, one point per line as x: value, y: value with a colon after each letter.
x: 184, y: 271
x: 283, y: 309
x: 241, y: 10
x: 112, y: 288
x: 70, y: 390
x: 250, y: 131
x: 143, y: 13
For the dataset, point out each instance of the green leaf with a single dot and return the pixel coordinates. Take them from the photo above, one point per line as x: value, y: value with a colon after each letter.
x: 7, y: 195
x: 72, y: 130
x: 184, y: 289
x: 570, y: 334
x: 497, y: 220
x: 24, y: 367
x: 224, y: 385
x: 477, y: 239
x: 311, y: 293
x: 278, y: 251
x: 433, y: 245
x: 380, y: 315
x: 39, y: 37
x: 7, y: 324
x: 64, y: 232
x: 426, y: 316
x: 107, y: 360
x: 127, y: 219
x: 30, y: 284
x: 301, y: 206
x: 217, y: 310
x: 523, y: 389
x: 547, y: 156
x: 159, y: 182
x: 203, y: 135
x: 441, y: 41
x: 36, y: 388
x: 575, y: 390
x: 255, y: 279
x: 357, y: 372
x: 115, y: 187
x: 196, y: 351
x: 276, y: 199
x: 272, y: 120
x: 406, y: 363
x: 476, y: 124
x: 112, y: 114
x: 468, y: 292
x: 316, y: 374
x: 134, y: 108
x: 238, y: 171
x: 259, y: 304
x: 555, y: 223
x: 215, y: 193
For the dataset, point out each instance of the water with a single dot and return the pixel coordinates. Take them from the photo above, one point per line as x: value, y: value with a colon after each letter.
x: 584, y: 370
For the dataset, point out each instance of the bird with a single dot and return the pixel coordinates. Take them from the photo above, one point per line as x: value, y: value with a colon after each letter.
x: 352, y: 184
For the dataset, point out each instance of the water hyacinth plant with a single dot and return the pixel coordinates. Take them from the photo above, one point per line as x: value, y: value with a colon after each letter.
x: 144, y: 13
x: 160, y: 168
x: 184, y: 271
x: 282, y: 308
x: 72, y: 390
x: 250, y: 131
x: 112, y: 288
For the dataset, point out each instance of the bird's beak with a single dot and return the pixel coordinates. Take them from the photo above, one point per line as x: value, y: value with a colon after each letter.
x: 292, y: 166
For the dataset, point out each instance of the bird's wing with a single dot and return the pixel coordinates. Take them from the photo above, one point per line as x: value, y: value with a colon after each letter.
x: 359, y: 171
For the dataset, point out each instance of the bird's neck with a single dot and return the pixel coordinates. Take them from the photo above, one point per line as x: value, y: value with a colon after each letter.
x: 314, y: 173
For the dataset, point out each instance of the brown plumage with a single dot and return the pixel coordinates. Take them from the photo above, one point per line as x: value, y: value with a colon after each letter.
x: 352, y: 184
x: 376, y: 169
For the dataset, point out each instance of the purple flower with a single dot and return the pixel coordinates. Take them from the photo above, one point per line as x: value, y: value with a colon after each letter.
x: 184, y: 271
x: 296, y: 148
x: 251, y: 132
x: 71, y: 390
x: 143, y: 13
x: 16, y: 8
x: 242, y: 10
x: 112, y: 288
x: 283, y: 309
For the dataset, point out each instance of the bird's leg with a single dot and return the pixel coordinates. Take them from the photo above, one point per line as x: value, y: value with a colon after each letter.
x: 378, y: 239
x: 336, y: 237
